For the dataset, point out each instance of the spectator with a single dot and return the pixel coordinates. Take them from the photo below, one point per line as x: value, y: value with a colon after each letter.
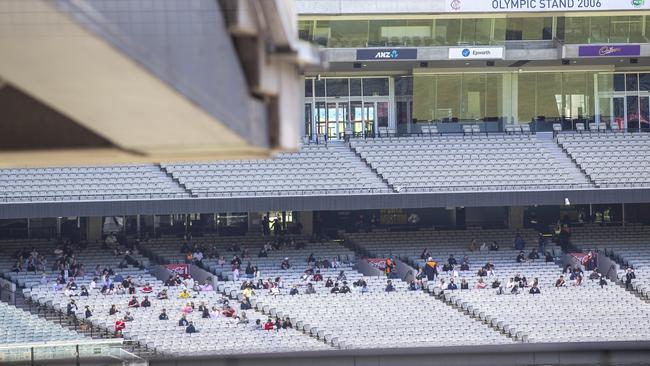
x: 335, y: 289
x: 145, y: 303
x: 133, y: 303
x: 183, y: 321
x: 245, y: 304
x: 120, y: 325
x: 464, y: 266
x: 285, y: 264
x: 228, y: 311
x: 389, y: 286
x: 294, y: 290
x: 163, y: 315
x: 520, y: 243
x: 269, y: 325
x: 482, y: 272
x: 190, y: 328
x: 413, y: 286
x: 473, y: 246
x: 494, y: 246
x: 184, y: 294
x: 341, y: 276
x: 345, y: 289
x: 84, y: 291
x: 310, y: 289
x: 318, y: 276
x: 629, y: 276
x: 329, y: 282
x: 188, y: 308
x: 533, y: 254
x: 577, y: 281
x: 464, y: 285
x: 162, y: 295
x: 560, y: 281
x: 431, y: 269
x: 128, y: 317
x: 480, y: 284
x: 89, y: 312
x: 425, y: 254
x: 548, y: 257
x: 71, y: 309
x: 113, y: 310
x: 452, y: 260
x: 541, y: 243
x: 248, y: 292
x: 452, y: 286
x: 521, y: 257
x: 534, y: 289
x: 147, y: 289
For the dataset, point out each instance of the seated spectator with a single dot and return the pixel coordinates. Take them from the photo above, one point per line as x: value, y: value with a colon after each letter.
x: 245, y: 304
x: 452, y: 286
x: 335, y: 289
x: 183, y: 321
x: 496, y: 283
x: 145, y: 303
x: 329, y: 282
x: 162, y: 295
x: 227, y: 311
x: 548, y: 257
x: 484, y: 247
x: 452, y: 260
x: 341, y: 276
x: 269, y: 325
x: 534, y: 289
x: 494, y: 246
x: 533, y: 254
x: 128, y: 317
x: 464, y: 285
x: 560, y: 281
x: 335, y: 263
x: 294, y: 290
x: 248, y: 292
x: 88, y: 312
x: 113, y: 310
x: 594, y: 275
x: 447, y: 267
x: 310, y: 289
x: 425, y: 254
x: 480, y: 284
x: 207, y: 286
x: 286, y: 323
x: 629, y: 277
x: 133, y: 303
x: 71, y: 309
x: 190, y: 328
x: 163, y: 315
x: 473, y: 246
x: 413, y: 286
x: 521, y: 257
x: 317, y: 277
x: 520, y: 243
x: 577, y: 281
x: 84, y: 291
x: 285, y: 264
x: 345, y: 289
x: 120, y: 325
x: 184, y: 294
x: 464, y: 266
x: 147, y: 289
x: 188, y: 308
x: 482, y: 272
x: 389, y: 286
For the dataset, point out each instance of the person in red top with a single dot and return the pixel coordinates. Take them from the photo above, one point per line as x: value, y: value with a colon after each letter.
x: 269, y: 325
x: 228, y: 311
x: 119, y: 326
x: 147, y: 289
x: 134, y: 303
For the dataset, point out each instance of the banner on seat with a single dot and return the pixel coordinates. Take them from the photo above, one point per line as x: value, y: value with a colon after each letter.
x: 180, y: 269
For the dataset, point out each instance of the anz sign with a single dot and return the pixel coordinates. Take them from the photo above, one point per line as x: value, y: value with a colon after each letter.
x: 383, y: 54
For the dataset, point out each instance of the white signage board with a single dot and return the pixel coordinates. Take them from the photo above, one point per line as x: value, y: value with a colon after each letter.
x: 505, y: 6
x: 476, y: 53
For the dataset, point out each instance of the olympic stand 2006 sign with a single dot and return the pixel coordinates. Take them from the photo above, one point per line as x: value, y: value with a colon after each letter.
x: 475, y: 6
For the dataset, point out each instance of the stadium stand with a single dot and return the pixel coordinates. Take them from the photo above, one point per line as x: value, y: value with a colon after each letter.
x: 610, y: 159
x: 314, y: 169
x: 17, y: 326
x: 457, y: 163
x: 87, y: 183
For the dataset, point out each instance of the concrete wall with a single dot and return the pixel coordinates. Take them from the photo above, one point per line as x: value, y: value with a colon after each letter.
x: 607, y: 267
x: 94, y: 229
x: 366, y: 269
x: 515, y: 217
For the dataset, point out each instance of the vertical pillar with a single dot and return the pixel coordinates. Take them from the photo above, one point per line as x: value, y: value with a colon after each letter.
x: 392, y: 106
x: 137, y: 225
x: 94, y: 229
x: 306, y: 218
x: 622, y: 214
x: 29, y: 229
x: 155, y: 224
x: 58, y: 228
x: 509, y: 97
x: 515, y: 217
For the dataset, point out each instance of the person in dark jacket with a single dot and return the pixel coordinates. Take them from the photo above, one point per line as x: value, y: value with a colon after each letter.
x: 452, y: 285
x: 431, y: 269
x: 190, y: 328
x: 163, y: 315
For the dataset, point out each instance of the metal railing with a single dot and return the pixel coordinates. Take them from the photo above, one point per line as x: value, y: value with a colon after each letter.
x: 90, y: 197
x: 67, y: 352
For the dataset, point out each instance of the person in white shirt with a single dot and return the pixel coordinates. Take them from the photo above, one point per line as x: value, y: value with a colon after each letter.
x: 235, y: 274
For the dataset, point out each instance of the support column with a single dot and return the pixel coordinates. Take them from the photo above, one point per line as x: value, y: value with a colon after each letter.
x: 515, y: 217
x: 58, y: 228
x: 94, y: 229
x: 29, y: 229
x: 509, y: 97
x: 392, y: 105
x: 137, y: 225
x: 306, y: 218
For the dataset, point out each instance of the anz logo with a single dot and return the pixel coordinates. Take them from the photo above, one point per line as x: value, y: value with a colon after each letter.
x: 383, y: 55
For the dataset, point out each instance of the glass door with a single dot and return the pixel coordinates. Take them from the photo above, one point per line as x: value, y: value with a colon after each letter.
x: 308, y: 120
x: 321, y: 118
x: 369, y: 118
x: 618, y: 112
x: 332, y: 120
x: 356, y: 117
x: 342, y: 118
x: 632, y: 112
x: 382, y: 114
x: 644, y: 112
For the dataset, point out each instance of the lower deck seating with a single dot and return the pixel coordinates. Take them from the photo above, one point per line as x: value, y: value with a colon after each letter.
x: 17, y: 326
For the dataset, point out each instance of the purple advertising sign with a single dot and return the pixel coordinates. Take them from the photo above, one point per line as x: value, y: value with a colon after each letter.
x: 609, y: 50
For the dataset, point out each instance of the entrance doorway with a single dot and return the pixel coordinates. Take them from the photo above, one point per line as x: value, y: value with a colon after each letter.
x: 361, y: 117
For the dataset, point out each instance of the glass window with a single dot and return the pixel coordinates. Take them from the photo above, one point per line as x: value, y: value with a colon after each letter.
x: 447, y: 32
x: 305, y: 29
x: 476, y: 31
x: 337, y: 88
x: 533, y: 28
x: 320, y: 87
x: 448, y: 98
x: 619, y: 82
x: 424, y: 97
x: 375, y: 87
x: 322, y: 32
x: 355, y: 87
x: 644, y: 82
x: 348, y: 33
x: 473, y: 97
x: 599, y: 29
x: 576, y: 30
x: 631, y: 83
x: 404, y: 86
x: 549, y: 95
x: 308, y: 88
x: 527, y: 96
x: 493, y: 97
x: 500, y: 25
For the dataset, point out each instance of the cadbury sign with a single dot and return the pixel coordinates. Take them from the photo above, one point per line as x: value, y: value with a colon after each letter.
x: 609, y: 50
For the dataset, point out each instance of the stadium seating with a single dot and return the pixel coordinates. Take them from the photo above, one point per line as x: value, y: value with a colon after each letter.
x: 611, y: 159
x: 87, y: 183
x: 461, y: 163
x: 315, y: 169
x: 17, y: 326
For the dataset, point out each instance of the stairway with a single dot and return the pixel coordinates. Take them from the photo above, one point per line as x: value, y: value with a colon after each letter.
x: 564, y: 160
x: 344, y: 151
x: 170, y: 176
